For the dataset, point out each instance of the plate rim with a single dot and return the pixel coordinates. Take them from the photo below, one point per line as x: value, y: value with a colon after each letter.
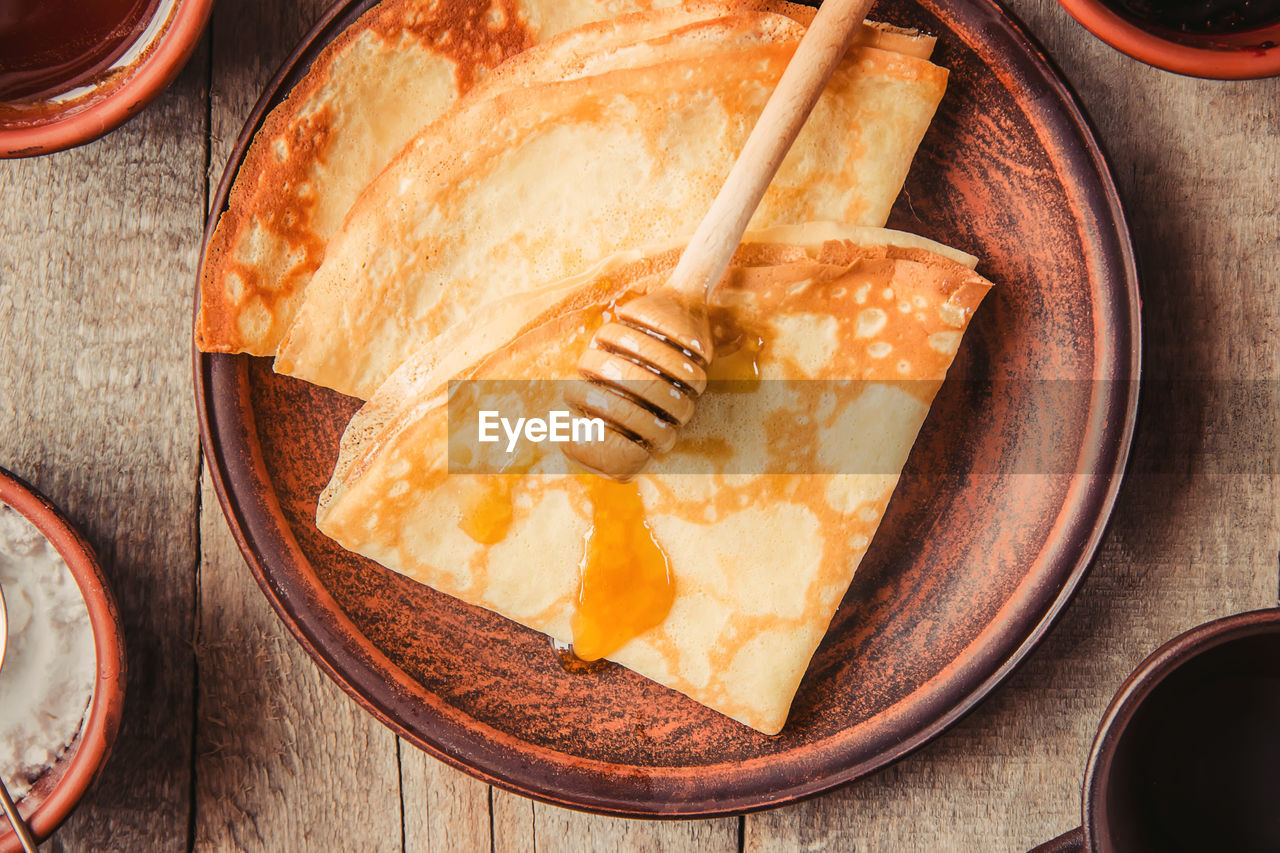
x: 1122, y: 399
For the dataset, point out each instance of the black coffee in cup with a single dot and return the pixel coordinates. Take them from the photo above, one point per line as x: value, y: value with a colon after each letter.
x: 1198, y: 767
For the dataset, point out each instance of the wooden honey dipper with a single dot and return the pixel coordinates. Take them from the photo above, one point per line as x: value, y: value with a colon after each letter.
x: 644, y: 370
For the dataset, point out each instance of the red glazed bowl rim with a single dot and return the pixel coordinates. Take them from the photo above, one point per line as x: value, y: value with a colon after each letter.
x: 153, y: 73
x: 76, y: 770
x: 1239, y: 56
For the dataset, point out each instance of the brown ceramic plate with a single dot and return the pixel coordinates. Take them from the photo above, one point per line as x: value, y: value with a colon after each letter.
x: 997, y: 516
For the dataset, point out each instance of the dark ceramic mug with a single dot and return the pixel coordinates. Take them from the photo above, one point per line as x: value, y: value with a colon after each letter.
x: 1188, y: 753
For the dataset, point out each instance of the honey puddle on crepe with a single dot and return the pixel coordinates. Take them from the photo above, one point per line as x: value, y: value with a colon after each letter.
x: 719, y: 585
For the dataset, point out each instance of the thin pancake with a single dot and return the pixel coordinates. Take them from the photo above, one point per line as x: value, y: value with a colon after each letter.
x: 380, y: 83
x: 759, y: 560
x: 558, y: 176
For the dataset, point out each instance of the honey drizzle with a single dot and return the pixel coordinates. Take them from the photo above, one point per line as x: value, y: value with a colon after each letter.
x: 487, y: 517
x: 736, y: 366
x: 573, y: 664
x: 625, y: 585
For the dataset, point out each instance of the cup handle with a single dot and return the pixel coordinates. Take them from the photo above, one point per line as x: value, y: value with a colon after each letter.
x: 1068, y: 842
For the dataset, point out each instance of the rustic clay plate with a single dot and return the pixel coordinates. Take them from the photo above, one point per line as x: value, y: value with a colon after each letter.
x: 998, y: 513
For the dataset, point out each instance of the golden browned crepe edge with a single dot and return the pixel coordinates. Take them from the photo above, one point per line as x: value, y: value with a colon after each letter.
x: 388, y: 20
x: 516, y: 71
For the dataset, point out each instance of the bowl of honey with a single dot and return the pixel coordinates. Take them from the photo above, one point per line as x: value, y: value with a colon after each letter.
x: 1221, y: 39
x: 72, y: 70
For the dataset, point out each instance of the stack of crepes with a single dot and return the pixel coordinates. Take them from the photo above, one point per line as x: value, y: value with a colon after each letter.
x: 406, y: 219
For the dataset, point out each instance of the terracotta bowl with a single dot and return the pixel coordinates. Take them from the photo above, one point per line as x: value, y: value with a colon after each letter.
x: 116, y: 95
x: 57, y: 792
x: 1233, y: 56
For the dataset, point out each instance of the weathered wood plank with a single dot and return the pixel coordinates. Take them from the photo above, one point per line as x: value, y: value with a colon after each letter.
x: 512, y: 822
x: 284, y: 760
x: 96, y: 247
x: 444, y: 809
x: 1196, y: 533
x: 556, y: 829
x: 522, y: 825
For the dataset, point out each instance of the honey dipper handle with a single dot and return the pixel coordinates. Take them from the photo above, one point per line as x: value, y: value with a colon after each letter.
x: 824, y: 44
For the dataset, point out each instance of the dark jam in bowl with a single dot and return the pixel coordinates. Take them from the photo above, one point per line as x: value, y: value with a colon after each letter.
x: 48, y: 47
x: 1200, y: 17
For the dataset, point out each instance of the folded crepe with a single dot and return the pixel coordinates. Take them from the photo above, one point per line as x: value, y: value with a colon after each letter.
x: 382, y: 82
x: 558, y: 176
x: 720, y: 585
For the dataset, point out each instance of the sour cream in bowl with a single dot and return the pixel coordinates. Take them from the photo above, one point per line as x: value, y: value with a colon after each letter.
x: 62, y: 678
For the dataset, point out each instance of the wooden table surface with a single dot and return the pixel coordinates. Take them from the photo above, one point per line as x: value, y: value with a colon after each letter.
x: 233, y: 739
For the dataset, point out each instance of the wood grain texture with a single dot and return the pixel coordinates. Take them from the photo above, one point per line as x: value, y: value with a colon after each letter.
x: 557, y: 830
x: 444, y: 809
x: 97, y: 264
x: 97, y: 246
x: 513, y: 822
x: 284, y: 760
